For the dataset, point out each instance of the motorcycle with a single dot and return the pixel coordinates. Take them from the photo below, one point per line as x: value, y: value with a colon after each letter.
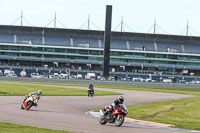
x: 90, y: 92
x: 29, y: 102
x: 116, y: 116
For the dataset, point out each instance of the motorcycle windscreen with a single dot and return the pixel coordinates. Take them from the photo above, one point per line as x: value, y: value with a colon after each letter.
x: 124, y: 107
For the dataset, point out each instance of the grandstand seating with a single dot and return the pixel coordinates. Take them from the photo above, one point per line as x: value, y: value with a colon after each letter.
x: 118, y: 44
x: 29, y: 39
x: 141, y: 46
x: 6, y: 38
x: 86, y: 61
x: 192, y: 48
x: 163, y: 47
x: 57, y: 41
x: 94, y: 43
x: 85, y: 42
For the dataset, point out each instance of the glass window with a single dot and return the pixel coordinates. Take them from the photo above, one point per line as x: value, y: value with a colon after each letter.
x: 72, y: 51
x: 49, y: 49
x: 37, y: 49
x: 4, y: 47
x: 172, y: 56
x: 59, y: 50
x: 83, y: 52
x: 48, y: 56
x: 114, y: 53
x: 59, y: 56
x: 95, y: 52
x: 26, y: 48
x: 15, y: 48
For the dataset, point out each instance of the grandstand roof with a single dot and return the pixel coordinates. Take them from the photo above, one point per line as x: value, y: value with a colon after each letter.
x: 59, y: 32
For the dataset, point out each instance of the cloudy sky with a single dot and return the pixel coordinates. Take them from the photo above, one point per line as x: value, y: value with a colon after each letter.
x: 138, y: 15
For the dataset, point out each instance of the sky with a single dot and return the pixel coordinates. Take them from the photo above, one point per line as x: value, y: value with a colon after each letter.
x: 138, y: 15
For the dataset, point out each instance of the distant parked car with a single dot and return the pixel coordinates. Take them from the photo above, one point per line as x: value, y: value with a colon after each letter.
x: 35, y: 75
x: 63, y: 76
x: 195, y: 82
x: 182, y: 81
x: 112, y: 78
x: 9, y: 72
x: 153, y: 81
x: 90, y: 76
x: 167, y: 80
x: 128, y: 78
x: 138, y: 79
x: 1, y: 73
x: 79, y: 76
x: 11, y: 75
x: 148, y: 80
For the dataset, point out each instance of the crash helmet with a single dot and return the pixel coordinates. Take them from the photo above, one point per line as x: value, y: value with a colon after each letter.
x: 91, y: 85
x: 120, y: 99
x: 39, y: 92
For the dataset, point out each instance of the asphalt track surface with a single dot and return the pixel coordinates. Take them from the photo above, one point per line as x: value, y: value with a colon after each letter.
x: 69, y: 112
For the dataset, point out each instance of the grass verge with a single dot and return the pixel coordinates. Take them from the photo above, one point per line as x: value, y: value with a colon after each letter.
x: 7, y: 89
x: 6, y: 127
x: 183, y: 113
x: 165, y: 90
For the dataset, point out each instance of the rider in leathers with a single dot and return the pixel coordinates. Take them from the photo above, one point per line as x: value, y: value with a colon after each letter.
x: 116, y: 103
x: 90, y: 88
x: 36, y: 95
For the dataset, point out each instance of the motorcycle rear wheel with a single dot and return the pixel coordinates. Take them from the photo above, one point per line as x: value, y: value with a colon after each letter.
x: 119, y: 121
x: 102, y: 120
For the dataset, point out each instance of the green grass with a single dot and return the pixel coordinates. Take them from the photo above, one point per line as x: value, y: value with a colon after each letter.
x: 183, y: 113
x: 165, y: 90
x: 6, y: 127
x: 7, y: 89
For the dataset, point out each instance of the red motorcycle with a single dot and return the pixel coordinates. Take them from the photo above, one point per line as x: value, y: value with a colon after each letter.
x: 29, y: 102
x: 116, y: 116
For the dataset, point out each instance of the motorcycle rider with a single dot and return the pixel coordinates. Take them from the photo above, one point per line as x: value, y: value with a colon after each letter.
x: 90, y: 88
x: 36, y: 95
x: 116, y: 103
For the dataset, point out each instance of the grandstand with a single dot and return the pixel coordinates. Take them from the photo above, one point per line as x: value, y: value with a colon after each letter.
x: 72, y: 48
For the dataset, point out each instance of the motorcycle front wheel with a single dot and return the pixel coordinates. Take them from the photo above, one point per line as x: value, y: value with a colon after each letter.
x: 89, y: 94
x: 29, y: 105
x: 119, y: 121
x: 102, y: 120
x: 22, y: 106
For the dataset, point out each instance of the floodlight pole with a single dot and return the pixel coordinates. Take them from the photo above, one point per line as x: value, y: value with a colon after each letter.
x: 154, y: 29
x: 21, y: 18
x: 187, y: 29
x: 88, y: 22
x: 55, y: 21
x: 122, y: 24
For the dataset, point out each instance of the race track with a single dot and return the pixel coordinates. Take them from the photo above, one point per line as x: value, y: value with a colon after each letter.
x: 69, y: 112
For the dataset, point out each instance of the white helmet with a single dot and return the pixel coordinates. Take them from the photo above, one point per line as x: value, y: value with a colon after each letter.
x: 120, y: 99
